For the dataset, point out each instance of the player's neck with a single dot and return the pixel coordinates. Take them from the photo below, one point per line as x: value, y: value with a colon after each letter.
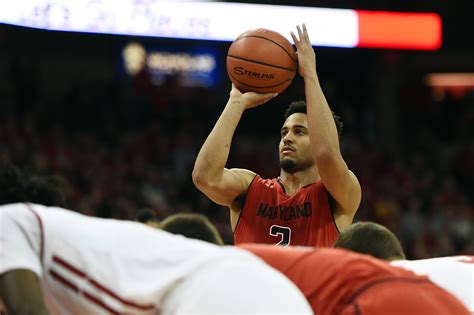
x: 295, y: 181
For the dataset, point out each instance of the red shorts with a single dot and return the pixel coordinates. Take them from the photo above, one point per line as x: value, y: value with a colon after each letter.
x: 394, y: 296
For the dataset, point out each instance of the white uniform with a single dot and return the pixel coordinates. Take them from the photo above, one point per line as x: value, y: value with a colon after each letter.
x: 454, y: 274
x: 90, y: 265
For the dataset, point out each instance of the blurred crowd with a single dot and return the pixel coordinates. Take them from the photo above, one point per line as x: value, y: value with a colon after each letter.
x: 124, y: 146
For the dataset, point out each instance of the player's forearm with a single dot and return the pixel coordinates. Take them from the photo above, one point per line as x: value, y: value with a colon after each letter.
x: 321, y: 126
x: 214, y: 153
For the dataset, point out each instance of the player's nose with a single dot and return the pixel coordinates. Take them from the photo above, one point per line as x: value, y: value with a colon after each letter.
x: 288, y: 138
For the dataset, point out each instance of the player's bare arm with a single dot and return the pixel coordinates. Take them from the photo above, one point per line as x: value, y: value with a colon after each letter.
x: 341, y: 183
x: 210, y: 176
x: 21, y: 292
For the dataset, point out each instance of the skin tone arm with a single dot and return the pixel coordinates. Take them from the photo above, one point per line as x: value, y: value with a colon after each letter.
x: 21, y: 292
x: 210, y: 176
x: 341, y: 183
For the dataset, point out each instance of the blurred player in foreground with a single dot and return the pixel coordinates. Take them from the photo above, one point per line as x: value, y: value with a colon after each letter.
x: 455, y: 274
x: 60, y: 262
x: 339, y: 282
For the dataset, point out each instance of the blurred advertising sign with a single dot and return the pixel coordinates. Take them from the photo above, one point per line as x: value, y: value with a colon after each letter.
x: 194, y: 67
x: 224, y: 21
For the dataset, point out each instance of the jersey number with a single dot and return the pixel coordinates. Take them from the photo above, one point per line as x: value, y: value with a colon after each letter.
x: 283, y: 232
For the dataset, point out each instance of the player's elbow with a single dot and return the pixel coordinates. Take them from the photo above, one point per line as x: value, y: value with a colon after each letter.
x: 199, y: 174
x: 198, y: 178
x: 201, y: 179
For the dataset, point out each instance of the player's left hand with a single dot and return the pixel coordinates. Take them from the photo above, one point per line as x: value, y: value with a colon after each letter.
x: 305, y: 53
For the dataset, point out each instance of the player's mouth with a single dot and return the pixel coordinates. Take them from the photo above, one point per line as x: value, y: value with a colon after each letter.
x: 287, y: 150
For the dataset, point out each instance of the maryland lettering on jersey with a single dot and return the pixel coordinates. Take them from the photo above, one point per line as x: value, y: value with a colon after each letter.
x: 285, y: 213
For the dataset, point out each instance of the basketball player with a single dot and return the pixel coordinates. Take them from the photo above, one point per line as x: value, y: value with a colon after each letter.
x: 454, y: 274
x: 315, y: 195
x: 56, y: 261
x: 340, y: 282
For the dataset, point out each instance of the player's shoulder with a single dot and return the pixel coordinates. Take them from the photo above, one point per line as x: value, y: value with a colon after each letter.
x: 318, y: 185
x: 318, y: 189
x: 16, y: 212
x: 247, y: 176
x: 25, y: 210
x: 255, y: 179
x: 267, y: 182
x: 13, y: 208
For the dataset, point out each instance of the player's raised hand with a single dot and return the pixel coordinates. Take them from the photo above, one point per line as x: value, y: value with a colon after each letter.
x: 305, y: 52
x: 250, y: 99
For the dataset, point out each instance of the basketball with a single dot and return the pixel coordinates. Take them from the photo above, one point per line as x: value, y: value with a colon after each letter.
x: 262, y: 61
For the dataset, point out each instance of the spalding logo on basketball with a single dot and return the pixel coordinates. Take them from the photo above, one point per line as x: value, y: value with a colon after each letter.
x: 261, y: 60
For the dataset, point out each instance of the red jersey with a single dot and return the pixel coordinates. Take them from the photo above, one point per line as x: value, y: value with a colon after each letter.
x: 270, y: 216
x: 333, y: 280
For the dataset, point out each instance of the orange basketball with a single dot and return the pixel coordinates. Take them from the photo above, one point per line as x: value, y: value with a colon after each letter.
x: 262, y: 61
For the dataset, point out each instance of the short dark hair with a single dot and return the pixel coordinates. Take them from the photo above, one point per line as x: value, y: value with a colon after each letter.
x: 300, y: 107
x: 372, y: 239
x: 19, y: 186
x: 192, y: 225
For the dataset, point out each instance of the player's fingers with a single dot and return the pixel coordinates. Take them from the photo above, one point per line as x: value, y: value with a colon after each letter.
x: 259, y: 99
x: 300, y: 34
x: 305, y: 32
x: 256, y: 95
x: 266, y: 97
x: 295, y: 40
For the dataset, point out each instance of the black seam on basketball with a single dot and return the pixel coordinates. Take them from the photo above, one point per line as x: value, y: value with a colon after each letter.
x: 259, y: 87
x: 270, y: 40
x: 262, y: 63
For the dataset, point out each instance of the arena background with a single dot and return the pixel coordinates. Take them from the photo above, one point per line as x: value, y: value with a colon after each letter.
x: 122, y: 142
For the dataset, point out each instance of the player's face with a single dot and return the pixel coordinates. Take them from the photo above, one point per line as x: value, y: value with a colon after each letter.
x: 295, y: 150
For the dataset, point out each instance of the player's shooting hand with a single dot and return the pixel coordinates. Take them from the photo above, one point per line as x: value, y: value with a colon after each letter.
x: 305, y: 53
x: 250, y: 99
